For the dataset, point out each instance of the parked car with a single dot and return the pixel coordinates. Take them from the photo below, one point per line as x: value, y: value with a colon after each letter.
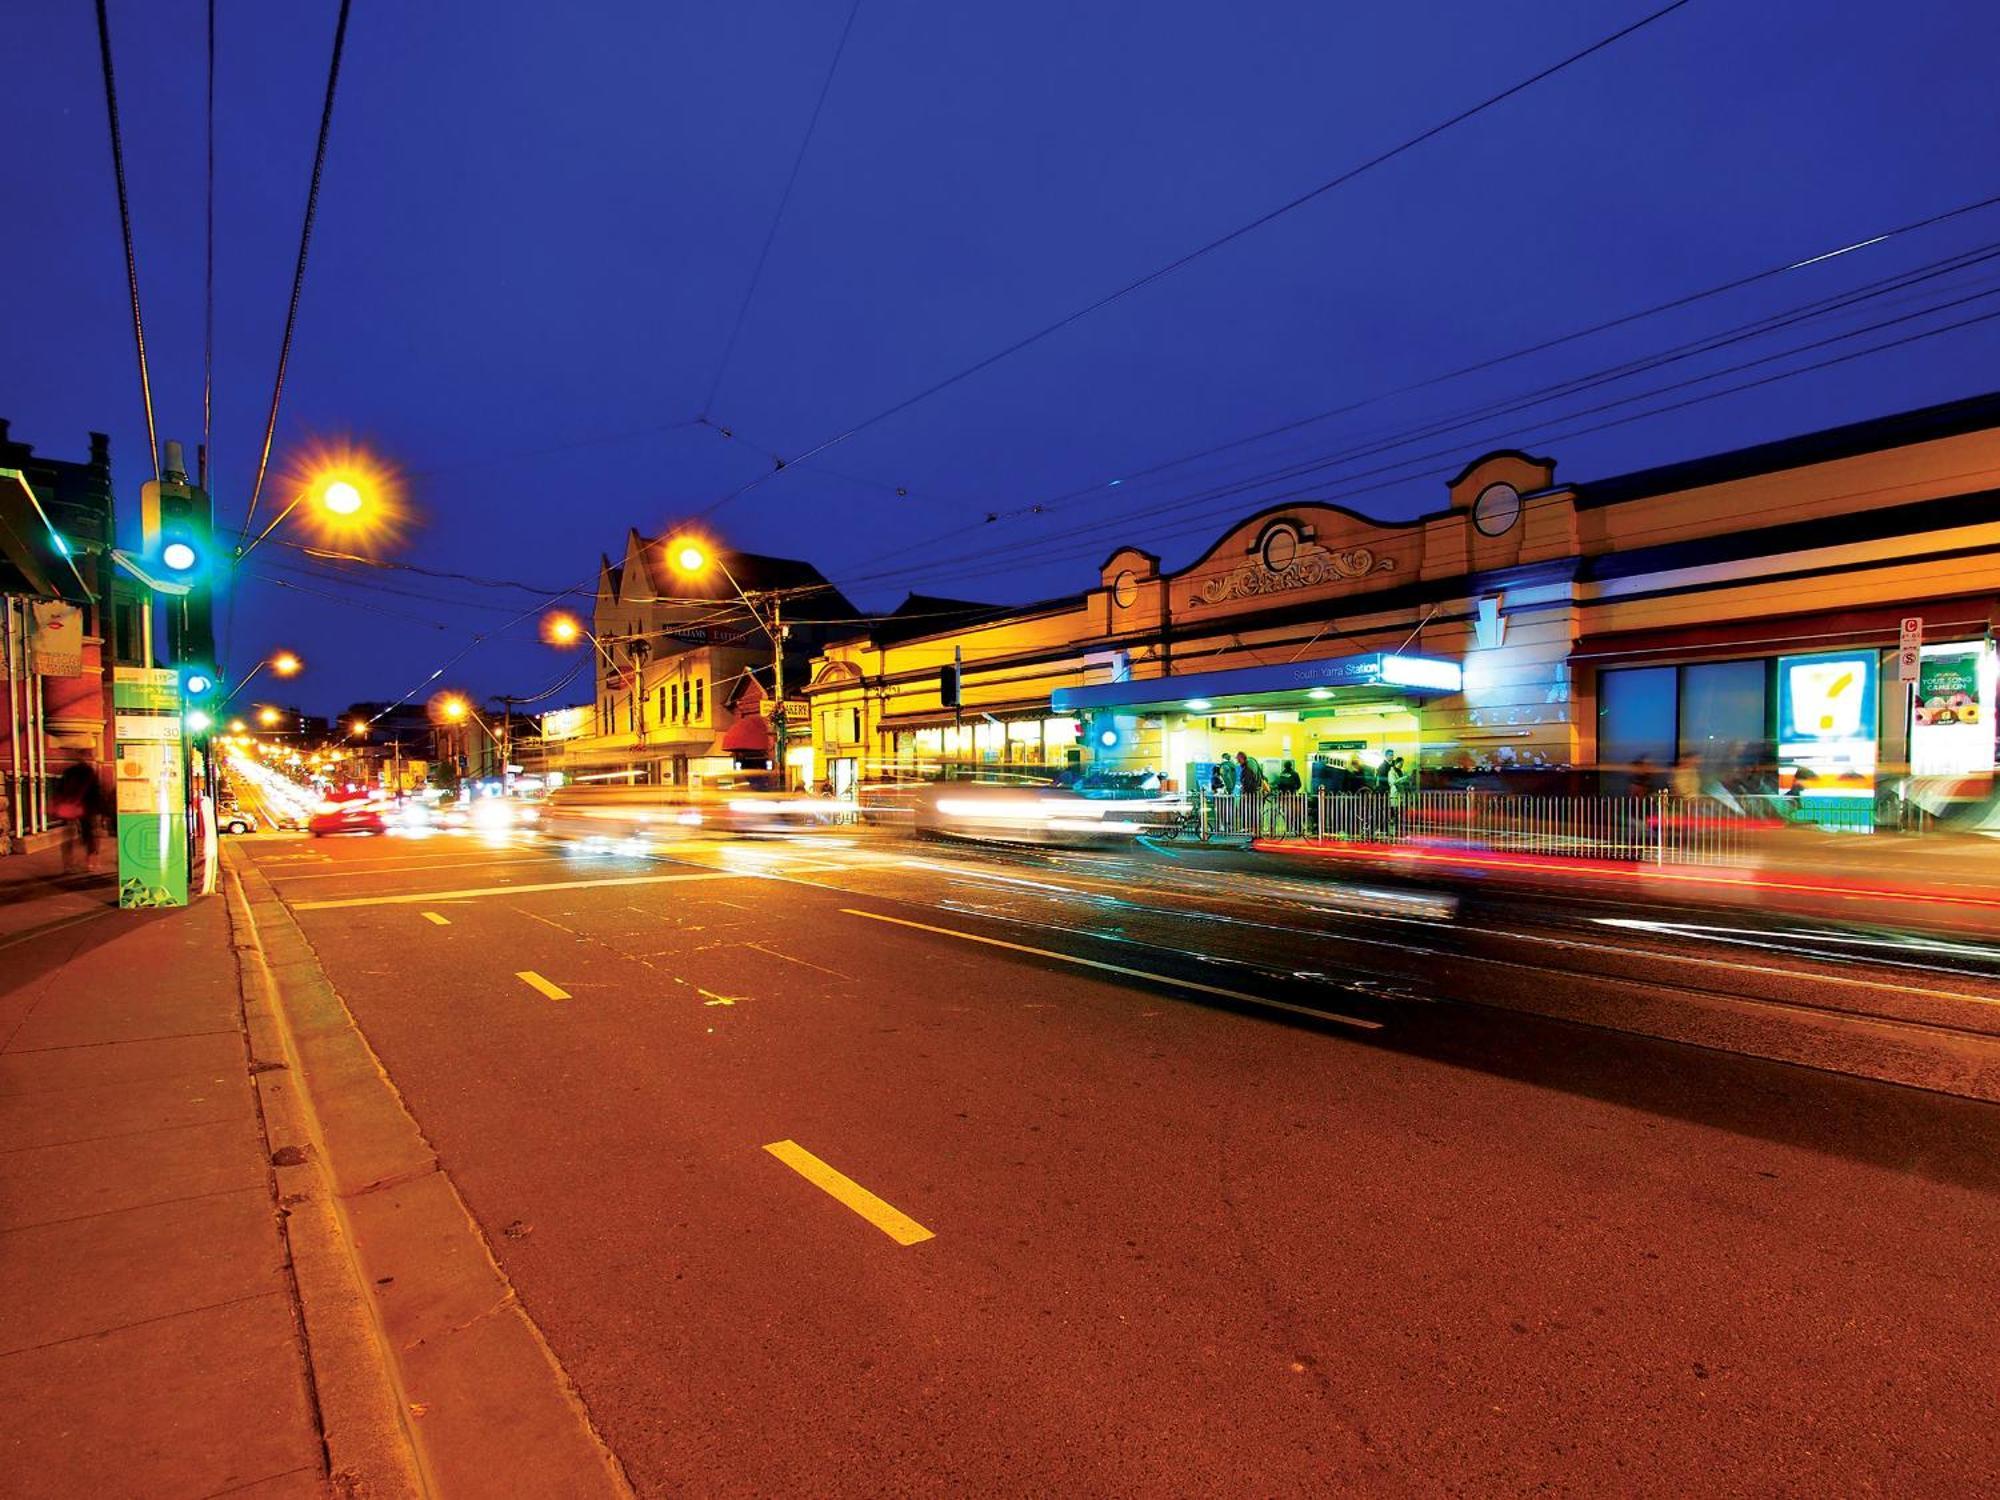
x: 235, y: 820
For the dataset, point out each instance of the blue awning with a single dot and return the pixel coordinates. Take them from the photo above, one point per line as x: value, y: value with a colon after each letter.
x: 1408, y: 676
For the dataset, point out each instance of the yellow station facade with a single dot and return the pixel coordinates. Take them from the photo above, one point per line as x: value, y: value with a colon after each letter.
x: 1746, y: 604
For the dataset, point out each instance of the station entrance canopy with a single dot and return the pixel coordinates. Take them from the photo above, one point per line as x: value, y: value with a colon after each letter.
x: 1332, y: 679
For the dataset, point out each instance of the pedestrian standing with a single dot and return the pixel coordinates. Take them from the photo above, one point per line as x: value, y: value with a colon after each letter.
x: 1250, y: 787
x: 1286, y: 784
x: 79, y: 803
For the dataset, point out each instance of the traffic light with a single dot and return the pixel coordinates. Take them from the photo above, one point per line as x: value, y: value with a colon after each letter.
x: 199, y: 683
x: 178, y: 535
x: 948, y: 686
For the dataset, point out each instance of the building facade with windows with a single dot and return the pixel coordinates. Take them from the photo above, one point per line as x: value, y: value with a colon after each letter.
x: 678, y: 660
x: 1731, y: 617
x: 71, y: 615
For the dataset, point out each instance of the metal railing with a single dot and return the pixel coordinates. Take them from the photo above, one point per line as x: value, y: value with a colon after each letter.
x: 1659, y: 829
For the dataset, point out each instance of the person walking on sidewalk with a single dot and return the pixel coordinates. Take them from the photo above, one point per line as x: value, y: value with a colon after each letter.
x: 79, y: 801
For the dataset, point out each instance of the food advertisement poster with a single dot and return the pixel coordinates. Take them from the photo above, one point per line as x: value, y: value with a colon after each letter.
x: 1826, y: 723
x: 1951, y: 721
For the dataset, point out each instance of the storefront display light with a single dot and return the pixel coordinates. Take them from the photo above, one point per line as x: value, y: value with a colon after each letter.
x: 1422, y: 672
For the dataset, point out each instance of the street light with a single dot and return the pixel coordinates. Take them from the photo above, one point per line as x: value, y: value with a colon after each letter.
x: 282, y: 663
x: 347, y: 489
x: 691, y: 557
x: 268, y: 717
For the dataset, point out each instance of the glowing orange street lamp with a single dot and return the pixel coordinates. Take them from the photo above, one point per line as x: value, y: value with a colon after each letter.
x: 268, y: 717
x: 348, y: 489
x: 691, y: 557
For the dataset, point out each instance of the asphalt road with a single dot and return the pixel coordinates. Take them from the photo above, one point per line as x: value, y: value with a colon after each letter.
x: 1143, y: 1176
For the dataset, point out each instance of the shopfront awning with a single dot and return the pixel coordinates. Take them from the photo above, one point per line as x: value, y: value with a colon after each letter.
x: 1339, y: 677
x: 749, y: 735
x: 34, y: 559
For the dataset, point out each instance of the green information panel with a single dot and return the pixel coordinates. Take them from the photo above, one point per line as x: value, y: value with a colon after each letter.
x: 152, y: 789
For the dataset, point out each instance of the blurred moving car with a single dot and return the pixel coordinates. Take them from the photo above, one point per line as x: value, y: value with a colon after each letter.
x: 737, y: 803
x: 1056, y: 815
x: 234, y: 820
x: 350, y: 812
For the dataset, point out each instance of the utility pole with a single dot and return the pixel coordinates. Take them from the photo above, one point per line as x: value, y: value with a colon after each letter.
x: 778, y: 690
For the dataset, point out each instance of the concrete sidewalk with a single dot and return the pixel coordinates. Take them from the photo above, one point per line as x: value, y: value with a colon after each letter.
x: 149, y: 1335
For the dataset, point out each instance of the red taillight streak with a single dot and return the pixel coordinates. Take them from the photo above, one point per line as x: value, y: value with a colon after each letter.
x: 1576, y: 869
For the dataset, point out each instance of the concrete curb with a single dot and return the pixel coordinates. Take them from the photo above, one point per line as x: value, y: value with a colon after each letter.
x: 400, y: 1274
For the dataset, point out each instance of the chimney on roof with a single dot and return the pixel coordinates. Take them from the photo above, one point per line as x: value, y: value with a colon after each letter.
x: 3, y: 429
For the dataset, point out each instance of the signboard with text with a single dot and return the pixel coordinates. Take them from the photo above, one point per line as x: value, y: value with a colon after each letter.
x: 1826, y: 723
x: 1909, y: 648
x: 1951, y: 722
x: 151, y: 788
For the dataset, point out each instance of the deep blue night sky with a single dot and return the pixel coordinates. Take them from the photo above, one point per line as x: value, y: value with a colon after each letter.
x: 538, y: 221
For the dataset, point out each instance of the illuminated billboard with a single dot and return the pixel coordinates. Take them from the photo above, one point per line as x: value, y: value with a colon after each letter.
x: 1951, y: 721
x: 1826, y: 723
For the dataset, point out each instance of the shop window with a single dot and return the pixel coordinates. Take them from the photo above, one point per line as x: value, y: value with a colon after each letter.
x: 1723, y: 713
x: 1635, y: 722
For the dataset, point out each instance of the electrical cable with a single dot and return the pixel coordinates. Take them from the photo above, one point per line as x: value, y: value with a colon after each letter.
x: 298, y: 271
x: 1250, y: 226
x: 604, y: 440
x: 1153, y: 509
x: 784, y: 199
x: 125, y: 226
x: 1135, y: 477
x: 208, y: 271
x: 1539, y: 439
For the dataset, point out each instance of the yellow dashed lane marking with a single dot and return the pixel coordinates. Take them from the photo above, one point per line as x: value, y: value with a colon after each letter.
x: 535, y: 981
x: 431, y: 916
x: 886, y: 1217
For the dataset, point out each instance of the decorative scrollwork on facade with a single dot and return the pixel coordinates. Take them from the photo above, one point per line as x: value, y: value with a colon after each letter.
x: 1312, y: 568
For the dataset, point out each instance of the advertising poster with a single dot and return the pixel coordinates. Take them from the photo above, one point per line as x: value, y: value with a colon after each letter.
x: 152, y: 789
x: 1951, y: 721
x: 55, y: 639
x: 1826, y: 723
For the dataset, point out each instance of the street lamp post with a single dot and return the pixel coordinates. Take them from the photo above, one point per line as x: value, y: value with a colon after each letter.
x: 338, y: 497
x: 283, y: 663
x: 692, y: 559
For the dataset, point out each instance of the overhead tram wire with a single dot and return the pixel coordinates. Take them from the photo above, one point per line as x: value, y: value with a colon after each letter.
x: 1100, y: 489
x: 208, y: 273
x: 1041, y: 552
x: 1770, y: 323
x: 125, y: 226
x: 777, y: 218
x: 1546, y: 437
x: 1187, y: 259
x: 298, y: 271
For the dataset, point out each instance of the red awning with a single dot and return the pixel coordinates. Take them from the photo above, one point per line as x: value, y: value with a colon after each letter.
x: 749, y: 735
x: 1961, y: 618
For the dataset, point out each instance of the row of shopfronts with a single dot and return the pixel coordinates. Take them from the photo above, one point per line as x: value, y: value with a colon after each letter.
x: 1813, y: 617
x: 1741, y: 620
